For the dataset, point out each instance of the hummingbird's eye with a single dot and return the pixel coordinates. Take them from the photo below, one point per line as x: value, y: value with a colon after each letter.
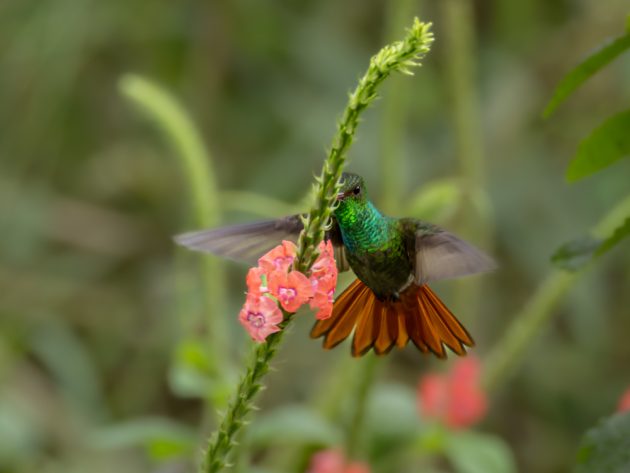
x: 356, y: 190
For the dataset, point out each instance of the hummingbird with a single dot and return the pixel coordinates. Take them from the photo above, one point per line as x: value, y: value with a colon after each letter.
x: 394, y: 259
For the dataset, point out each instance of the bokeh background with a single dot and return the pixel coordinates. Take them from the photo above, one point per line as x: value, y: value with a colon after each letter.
x: 109, y: 356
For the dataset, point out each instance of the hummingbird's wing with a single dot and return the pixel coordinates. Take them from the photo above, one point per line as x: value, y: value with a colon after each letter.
x: 439, y: 254
x: 249, y: 241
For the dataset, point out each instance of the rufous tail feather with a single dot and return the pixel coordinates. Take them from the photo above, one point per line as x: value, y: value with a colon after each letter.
x: 419, y: 316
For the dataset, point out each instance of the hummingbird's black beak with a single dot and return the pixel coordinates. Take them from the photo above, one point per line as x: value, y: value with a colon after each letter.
x: 341, y: 195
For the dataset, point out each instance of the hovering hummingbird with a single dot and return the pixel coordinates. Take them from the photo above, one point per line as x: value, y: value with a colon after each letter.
x: 390, y: 302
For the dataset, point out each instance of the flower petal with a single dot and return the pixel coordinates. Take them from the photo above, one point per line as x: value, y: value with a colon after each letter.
x: 254, y: 281
x: 292, y: 289
x: 279, y: 258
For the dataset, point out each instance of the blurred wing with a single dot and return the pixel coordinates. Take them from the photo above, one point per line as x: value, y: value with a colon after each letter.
x: 248, y: 242
x: 442, y: 255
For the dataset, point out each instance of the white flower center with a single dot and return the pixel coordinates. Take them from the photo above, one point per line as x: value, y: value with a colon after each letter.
x: 287, y: 293
x: 281, y: 261
x: 256, y: 319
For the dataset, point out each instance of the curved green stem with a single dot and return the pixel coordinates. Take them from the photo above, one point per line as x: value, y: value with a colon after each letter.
x: 196, y: 163
x: 509, y: 352
x: 399, y: 56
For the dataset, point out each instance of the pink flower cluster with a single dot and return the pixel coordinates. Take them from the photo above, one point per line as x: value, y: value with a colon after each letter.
x: 334, y: 461
x: 455, y: 399
x: 271, y: 283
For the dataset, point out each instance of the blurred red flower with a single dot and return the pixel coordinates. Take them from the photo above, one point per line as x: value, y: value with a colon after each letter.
x: 455, y: 399
x: 624, y: 402
x: 334, y: 461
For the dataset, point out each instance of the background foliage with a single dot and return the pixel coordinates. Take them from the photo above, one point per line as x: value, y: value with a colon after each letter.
x: 109, y: 357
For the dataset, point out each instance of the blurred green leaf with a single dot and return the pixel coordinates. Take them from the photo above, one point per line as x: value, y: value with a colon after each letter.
x: 69, y: 361
x: 607, y: 144
x: 606, y: 447
x: 472, y: 452
x: 574, y: 255
x: 586, y: 69
x: 392, y: 419
x: 162, y: 438
x: 194, y: 374
x: 293, y: 425
x: 19, y: 434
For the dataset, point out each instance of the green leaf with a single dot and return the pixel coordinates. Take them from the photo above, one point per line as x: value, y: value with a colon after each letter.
x: 576, y: 254
x: 67, y: 357
x: 607, y: 144
x: 392, y: 419
x: 19, y: 432
x: 606, y: 447
x: 586, y: 69
x: 293, y: 425
x: 471, y: 452
x: 195, y: 373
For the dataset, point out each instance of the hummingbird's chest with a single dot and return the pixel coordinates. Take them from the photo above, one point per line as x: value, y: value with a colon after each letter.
x: 377, y: 254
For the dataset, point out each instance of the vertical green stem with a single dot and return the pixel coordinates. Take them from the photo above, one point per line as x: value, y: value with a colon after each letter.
x: 222, y: 440
x: 366, y: 379
x: 400, y: 56
x: 460, y: 53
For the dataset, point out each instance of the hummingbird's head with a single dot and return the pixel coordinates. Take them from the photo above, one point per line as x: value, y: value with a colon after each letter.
x: 352, y: 189
x: 352, y: 201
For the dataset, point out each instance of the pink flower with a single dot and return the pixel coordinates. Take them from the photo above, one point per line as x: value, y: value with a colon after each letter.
x: 260, y: 316
x: 323, y: 295
x: 324, y: 279
x: 325, y: 263
x: 455, y: 399
x: 624, y: 402
x: 278, y: 259
x: 291, y: 289
x: 270, y: 281
x: 334, y: 461
x: 255, y: 285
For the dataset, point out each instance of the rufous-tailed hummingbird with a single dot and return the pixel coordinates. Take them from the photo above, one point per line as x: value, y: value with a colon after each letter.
x: 390, y: 303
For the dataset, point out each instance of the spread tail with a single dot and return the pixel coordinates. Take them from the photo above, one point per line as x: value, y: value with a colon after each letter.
x: 419, y: 316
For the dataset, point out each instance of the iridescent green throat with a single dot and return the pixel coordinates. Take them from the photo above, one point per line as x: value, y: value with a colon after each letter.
x: 363, y: 228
